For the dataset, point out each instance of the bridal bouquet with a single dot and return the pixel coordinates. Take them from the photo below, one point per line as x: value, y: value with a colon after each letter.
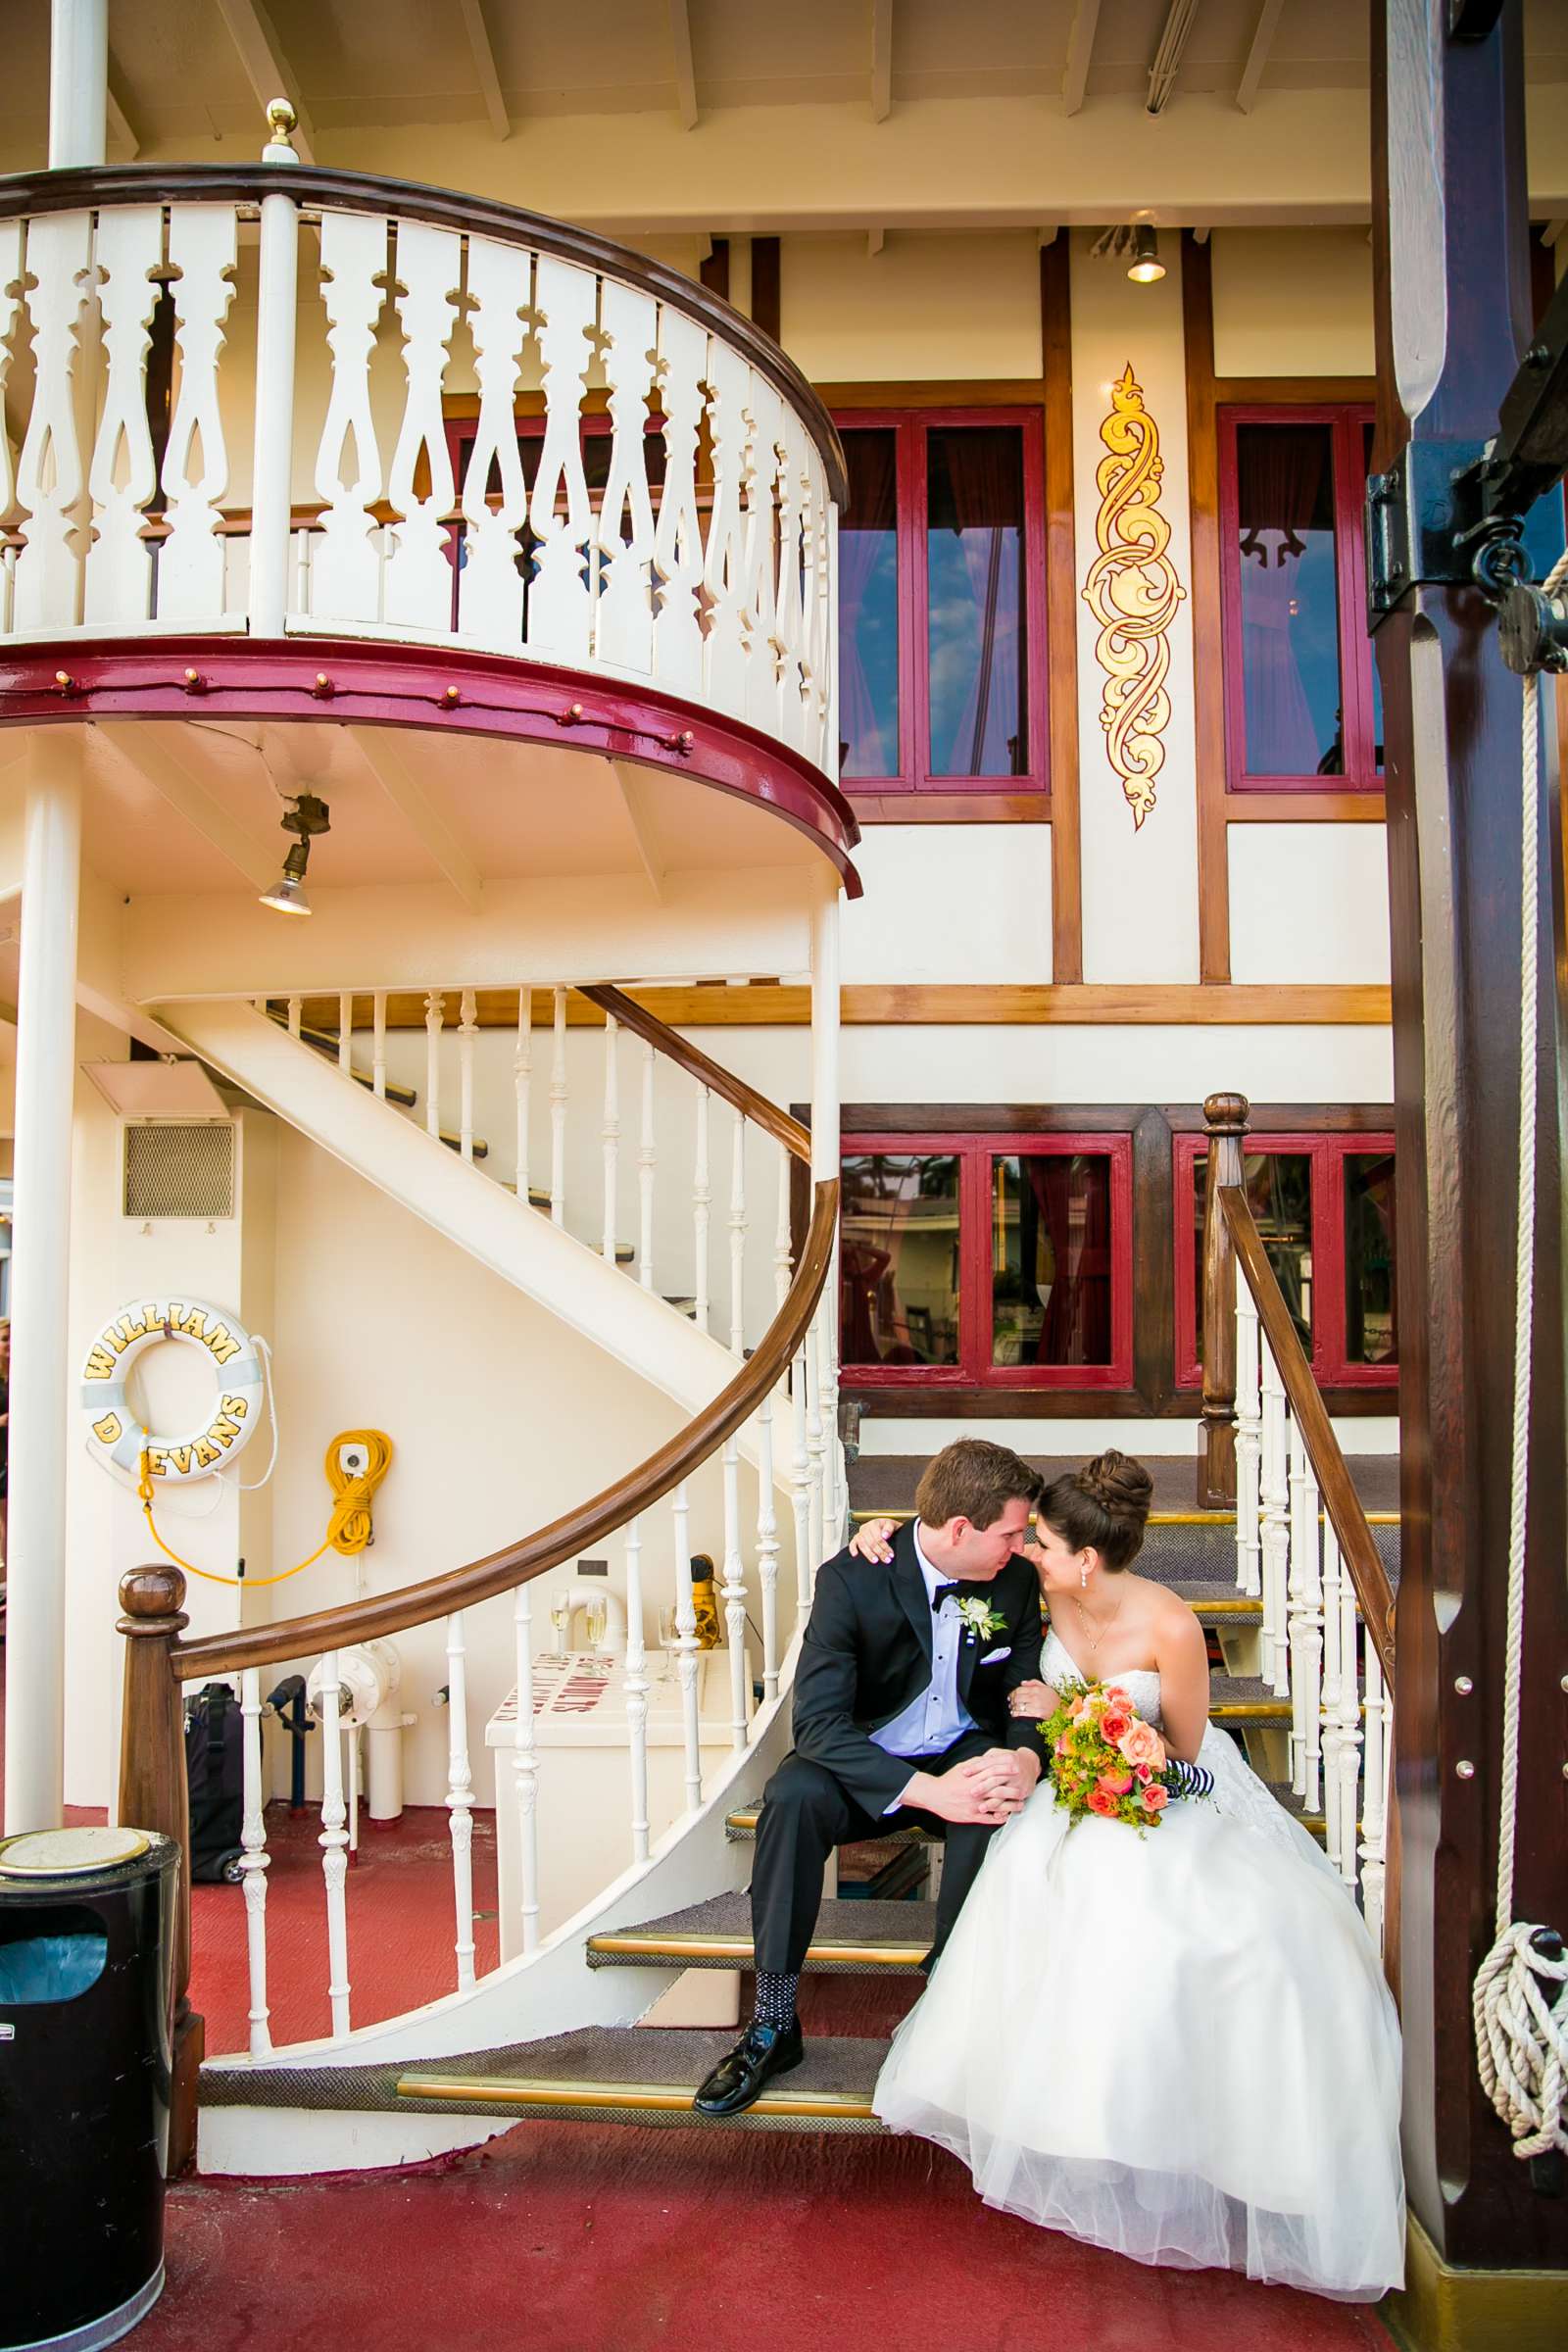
x: 1107, y: 1760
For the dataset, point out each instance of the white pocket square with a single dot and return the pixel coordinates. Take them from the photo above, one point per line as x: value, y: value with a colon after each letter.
x: 994, y: 1657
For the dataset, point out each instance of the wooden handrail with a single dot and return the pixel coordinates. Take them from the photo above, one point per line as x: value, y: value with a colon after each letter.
x: 1346, y: 1515
x: 745, y: 1098
x: 520, y: 1564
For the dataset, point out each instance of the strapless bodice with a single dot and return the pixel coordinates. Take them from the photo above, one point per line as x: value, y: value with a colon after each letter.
x: 1142, y: 1685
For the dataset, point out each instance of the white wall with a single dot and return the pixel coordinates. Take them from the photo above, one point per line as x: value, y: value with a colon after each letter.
x: 1292, y: 302
x: 951, y: 903
x: 927, y: 306
x: 1309, y: 902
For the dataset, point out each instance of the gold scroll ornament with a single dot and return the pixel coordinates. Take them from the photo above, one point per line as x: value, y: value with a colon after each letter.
x: 1132, y: 593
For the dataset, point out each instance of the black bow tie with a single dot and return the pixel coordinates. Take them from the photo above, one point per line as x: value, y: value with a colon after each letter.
x: 940, y: 1594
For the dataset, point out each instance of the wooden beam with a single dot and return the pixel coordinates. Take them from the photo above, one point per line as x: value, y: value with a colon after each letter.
x: 634, y: 784
x: 266, y: 68
x: 380, y: 748
x: 484, y: 67
x: 685, y: 73
x: 1061, y: 614
x: 253, y: 857
x: 1209, y: 682
x: 1080, y: 52
x: 881, y: 60
x: 120, y: 127
x: 1263, y: 31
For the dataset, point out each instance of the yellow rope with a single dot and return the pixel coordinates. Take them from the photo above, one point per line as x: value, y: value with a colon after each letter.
x: 348, y: 1530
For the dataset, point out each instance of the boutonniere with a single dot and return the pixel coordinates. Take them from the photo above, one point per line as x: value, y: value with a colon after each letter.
x: 979, y: 1619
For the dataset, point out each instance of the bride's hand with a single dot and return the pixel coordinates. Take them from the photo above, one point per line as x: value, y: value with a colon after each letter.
x: 1033, y: 1700
x: 873, y: 1540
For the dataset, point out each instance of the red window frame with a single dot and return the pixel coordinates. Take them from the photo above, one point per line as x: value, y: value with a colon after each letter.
x: 1328, y: 1155
x: 911, y: 427
x: 974, y: 1368
x: 1349, y: 423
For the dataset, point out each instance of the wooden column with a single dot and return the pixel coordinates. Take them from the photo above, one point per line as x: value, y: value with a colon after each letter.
x: 1453, y: 318
x: 1225, y: 1116
x: 153, y: 1795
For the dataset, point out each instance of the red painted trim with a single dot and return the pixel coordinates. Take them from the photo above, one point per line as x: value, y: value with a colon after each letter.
x: 1345, y: 424
x: 454, y: 691
x: 974, y: 1368
x: 911, y: 427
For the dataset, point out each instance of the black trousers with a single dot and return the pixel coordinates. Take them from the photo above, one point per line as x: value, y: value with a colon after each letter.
x: 806, y: 1812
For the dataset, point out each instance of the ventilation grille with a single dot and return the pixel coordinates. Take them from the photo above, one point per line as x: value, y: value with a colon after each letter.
x: 173, y: 1170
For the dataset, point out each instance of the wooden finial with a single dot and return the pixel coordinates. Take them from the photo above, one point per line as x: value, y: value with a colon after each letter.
x: 153, y: 1599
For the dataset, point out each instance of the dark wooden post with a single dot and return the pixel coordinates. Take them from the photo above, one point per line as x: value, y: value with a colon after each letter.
x: 1225, y: 1117
x: 1453, y: 318
x: 153, y: 1795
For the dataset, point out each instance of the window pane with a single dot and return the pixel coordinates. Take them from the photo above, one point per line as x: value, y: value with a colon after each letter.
x: 1290, y: 600
x: 1050, y: 1259
x: 898, y: 1285
x: 869, y: 607
x: 1279, y: 1194
x: 974, y: 537
x: 1371, y: 1329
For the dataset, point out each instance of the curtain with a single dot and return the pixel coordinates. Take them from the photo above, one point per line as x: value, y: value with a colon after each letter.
x: 869, y: 519
x: 1284, y: 488
x: 1077, y: 1323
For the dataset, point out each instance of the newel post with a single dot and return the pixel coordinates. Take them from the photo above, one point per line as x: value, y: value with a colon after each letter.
x: 1225, y: 1117
x: 153, y: 1795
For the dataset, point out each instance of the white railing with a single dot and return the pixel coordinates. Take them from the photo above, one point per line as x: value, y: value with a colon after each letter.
x: 522, y: 440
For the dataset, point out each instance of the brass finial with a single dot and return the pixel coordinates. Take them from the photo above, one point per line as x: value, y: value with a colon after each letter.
x: 281, y: 121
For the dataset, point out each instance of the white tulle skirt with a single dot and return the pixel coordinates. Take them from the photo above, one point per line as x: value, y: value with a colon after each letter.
x: 1179, y: 2046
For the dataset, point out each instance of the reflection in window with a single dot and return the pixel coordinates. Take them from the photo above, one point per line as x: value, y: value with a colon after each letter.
x: 1371, y: 1331
x: 1050, y: 1259
x: 1290, y: 600
x: 1279, y: 1194
x: 898, y: 1283
x: 974, y: 489
x: 869, y: 607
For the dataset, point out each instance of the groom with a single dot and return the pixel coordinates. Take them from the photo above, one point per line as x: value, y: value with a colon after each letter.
x: 900, y: 1719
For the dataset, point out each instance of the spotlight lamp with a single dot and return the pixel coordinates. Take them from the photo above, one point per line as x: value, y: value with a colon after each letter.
x: 1146, y: 269
x: 306, y: 817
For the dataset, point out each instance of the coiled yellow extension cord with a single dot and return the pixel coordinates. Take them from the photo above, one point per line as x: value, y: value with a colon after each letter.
x: 348, y: 1530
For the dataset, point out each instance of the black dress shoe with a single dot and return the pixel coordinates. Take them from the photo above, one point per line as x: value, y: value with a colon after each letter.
x: 761, y: 2052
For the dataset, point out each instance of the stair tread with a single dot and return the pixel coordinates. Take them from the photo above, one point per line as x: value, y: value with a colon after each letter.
x: 718, y: 1933
x: 665, y: 2057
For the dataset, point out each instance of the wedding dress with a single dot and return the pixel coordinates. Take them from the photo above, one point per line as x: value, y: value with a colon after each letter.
x: 1179, y: 2045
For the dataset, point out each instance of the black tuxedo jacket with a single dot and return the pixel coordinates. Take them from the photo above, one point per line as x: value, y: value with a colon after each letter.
x: 866, y: 1654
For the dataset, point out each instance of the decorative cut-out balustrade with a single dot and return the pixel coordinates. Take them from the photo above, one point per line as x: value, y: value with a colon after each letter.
x: 301, y: 401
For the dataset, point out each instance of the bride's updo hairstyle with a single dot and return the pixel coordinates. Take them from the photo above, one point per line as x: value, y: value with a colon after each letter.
x: 1100, y: 1507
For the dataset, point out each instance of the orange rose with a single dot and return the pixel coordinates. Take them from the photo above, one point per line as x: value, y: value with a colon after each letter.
x: 1117, y: 1696
x: 1075, y: 1706
x: 1062, y: 1746
x: 1155, y: 1797
x: 1145, y: 1772
x: 1116, y: 1724
x: 1140, y: 1744
x: 1100, y: 1802
x: 1114, y: 1784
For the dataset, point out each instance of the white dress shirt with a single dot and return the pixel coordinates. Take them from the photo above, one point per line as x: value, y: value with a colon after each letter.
x: 931, y: 1721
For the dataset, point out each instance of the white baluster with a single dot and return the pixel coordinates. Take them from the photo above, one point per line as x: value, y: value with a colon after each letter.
x: 782, y: 1253
x: 678, y: 533
x: 737, y: 1238
x: 1348, y: 1716
x: 768, y: 1545
x: 557, y: 1114
x: 724, y: 652
x: 647, y: 1162
x: 624, y: 623
x: 806, y: 1560
x: 49, y: 481
x: 609, y: 1136
x: 254, y: 1860
x: 435, y: 1006
x: 345, y: 559
x: 824, y: 722
x: 686, y: 1647
x: 1332, y: 1679
x: 1276, y: 1524
x: 11, y: 240
x: 702, y: 1199
x: 816, y: 1442
x: 345, y: 1036
x: 124, y: 472
x: 202, y: 248
x: 467, y: 1030
x: 560, y: 610
x: 379, y: 1063
x: 1374, y: 1800
x: 526, y: 1767
x: 761, y: 572
x: 635, y: 1685
x: 333, y: 1842
x: 1248, y: 1441
x: 460, y: 1795
x: 794, y: 488
x: 1305, y: 1623
x: 523, y: 1084
x: 835, y: 1499
x: 490, y: 588
x: 734, y: 1591
x: 295, y: 1011
x: 418, y: 577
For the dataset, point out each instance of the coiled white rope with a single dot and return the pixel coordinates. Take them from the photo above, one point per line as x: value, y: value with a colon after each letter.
x: 1521, y: 2043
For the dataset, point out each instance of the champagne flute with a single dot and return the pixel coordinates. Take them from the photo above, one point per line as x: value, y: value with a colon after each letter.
x: 595, y: 1616
x: 561, y: 1626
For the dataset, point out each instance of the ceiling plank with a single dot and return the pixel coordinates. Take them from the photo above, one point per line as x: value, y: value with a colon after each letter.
x: 258, y: 860
x: 122, y: 129
x: 680, y: 41
x: 1080, y: 54
x: 881, y: 60
x: 1268, y: 19
x: 484, y: 66
x: 266, y: 68
x: 633, y: 786
x: 385, y: 761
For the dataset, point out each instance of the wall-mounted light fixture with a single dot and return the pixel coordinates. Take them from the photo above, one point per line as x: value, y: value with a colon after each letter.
x: 306, y: 817
x: 1146, y: 269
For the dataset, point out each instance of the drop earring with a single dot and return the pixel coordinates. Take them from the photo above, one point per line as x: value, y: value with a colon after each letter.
x: 1083, y: 1576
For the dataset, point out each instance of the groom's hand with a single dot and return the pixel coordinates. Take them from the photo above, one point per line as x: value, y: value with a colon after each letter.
x: 984, y: 1790
x: 1011, y: 1774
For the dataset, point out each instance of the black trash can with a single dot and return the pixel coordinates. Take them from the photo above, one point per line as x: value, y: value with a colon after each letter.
x: 86, y: 1961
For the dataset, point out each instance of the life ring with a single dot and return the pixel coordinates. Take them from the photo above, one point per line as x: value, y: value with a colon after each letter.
x: 116, y: 1436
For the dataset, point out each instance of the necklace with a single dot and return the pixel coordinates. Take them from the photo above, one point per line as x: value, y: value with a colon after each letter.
x: 1095, y: 1640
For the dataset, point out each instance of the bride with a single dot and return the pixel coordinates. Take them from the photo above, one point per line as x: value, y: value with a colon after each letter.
x: 1177, y: 2045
